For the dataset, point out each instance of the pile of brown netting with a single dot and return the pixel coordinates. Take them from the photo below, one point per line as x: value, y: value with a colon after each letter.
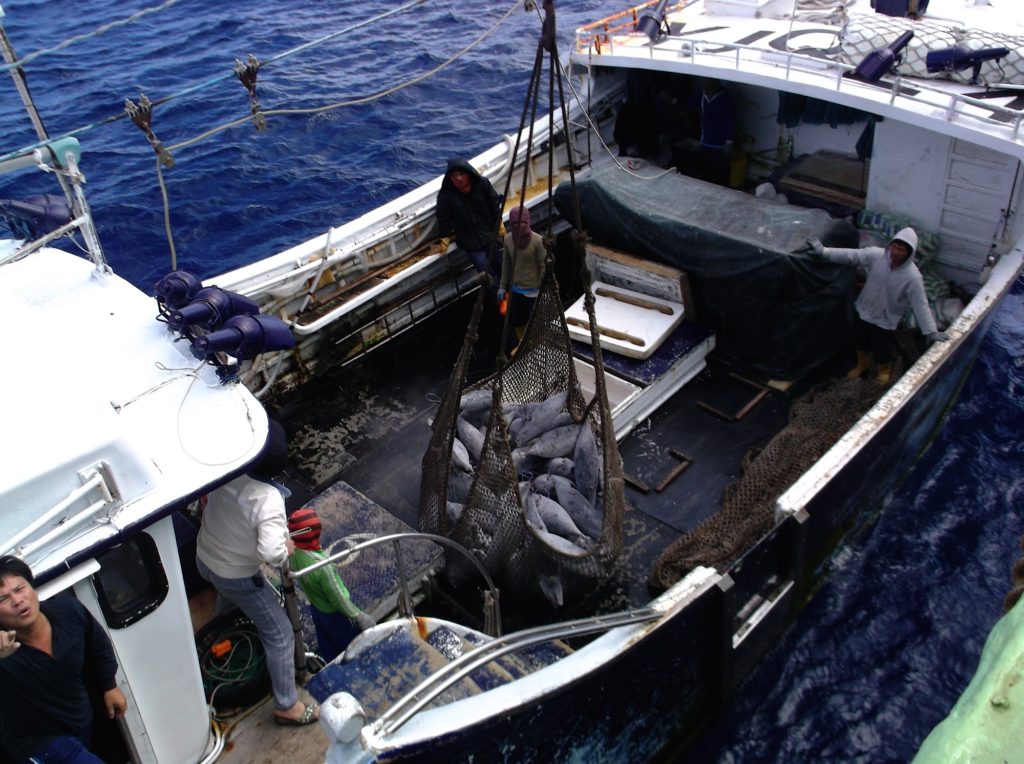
x: 816, y: 421
x: 491, y: 486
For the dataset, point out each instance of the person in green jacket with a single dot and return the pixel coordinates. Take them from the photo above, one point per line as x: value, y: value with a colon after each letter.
x: 336, y: 618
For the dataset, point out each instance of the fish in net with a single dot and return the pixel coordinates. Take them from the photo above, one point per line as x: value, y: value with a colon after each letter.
x: 522, y: 469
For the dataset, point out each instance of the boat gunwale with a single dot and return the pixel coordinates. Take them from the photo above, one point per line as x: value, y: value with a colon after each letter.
x: 436, y: 722
x: 404, y: 213
x: 803, y: 492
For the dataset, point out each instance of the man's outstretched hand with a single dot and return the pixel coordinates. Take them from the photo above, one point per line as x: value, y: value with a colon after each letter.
x: 814, y: 248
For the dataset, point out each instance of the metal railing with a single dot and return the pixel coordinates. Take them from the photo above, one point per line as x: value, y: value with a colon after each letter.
x: 405, y: 608
x: 413, y: 702
x: 954, y: 106
x: 63, y: 517
x: 71, y: 178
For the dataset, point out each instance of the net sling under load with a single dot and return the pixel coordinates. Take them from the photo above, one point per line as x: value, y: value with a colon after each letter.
x: 523, y: 470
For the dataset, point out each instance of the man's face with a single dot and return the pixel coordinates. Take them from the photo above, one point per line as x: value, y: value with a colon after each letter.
x: 19, y: 603
x: 898, y: 253
x: 460, y: 178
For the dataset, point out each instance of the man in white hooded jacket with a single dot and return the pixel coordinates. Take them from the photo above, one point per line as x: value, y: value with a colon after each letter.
x: 243, y: 527
x: 892, y: 283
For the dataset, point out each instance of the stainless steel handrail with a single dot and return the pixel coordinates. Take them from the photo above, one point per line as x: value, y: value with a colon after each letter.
x: 725, y: 51
x: 405, y: 600
x: 470, y: 661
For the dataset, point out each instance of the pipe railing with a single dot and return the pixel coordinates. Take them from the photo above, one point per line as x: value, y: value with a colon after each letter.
x: 413, y: 702
x: 95, y: 481
x: 952, y: 104
x: 405, y: 601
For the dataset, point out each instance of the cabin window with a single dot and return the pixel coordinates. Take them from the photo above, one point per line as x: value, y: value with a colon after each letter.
x: 131, y: 582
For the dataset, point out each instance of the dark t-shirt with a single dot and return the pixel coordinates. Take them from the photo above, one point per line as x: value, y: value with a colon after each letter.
x: 43, y: 697
x: 718, y: 119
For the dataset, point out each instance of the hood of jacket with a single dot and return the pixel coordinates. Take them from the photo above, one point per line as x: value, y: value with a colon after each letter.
x: 909, y: 237
x: 458, y: 163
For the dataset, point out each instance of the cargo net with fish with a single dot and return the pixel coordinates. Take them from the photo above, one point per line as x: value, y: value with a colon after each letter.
x: 816, y: 421
x: 522, y: 469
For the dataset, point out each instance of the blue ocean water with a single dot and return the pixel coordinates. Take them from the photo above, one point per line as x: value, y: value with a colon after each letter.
x: 243, y: 195
x: 881, y: 653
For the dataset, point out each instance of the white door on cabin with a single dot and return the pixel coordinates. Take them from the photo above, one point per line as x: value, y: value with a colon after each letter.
x: 976, y: 206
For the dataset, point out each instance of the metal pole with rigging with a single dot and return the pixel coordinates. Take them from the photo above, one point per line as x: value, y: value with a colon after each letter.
x: 76, y: 200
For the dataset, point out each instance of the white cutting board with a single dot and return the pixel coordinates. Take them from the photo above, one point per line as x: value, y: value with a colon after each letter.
x: 648, y: 326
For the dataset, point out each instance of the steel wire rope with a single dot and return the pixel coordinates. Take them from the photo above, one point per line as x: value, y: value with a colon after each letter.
x: 317, y: 109
x: 529, y: 109
x: 355, y: 101
x: 596, y: 132
x: 21, y: 62
x: 214, y: 80
x: 192, y: 372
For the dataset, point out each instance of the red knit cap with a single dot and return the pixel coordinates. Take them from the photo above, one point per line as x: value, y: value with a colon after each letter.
x: 304, y: 528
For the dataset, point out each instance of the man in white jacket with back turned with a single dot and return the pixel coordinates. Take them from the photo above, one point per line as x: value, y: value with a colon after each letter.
x: 893, y: 283
x: 243, y: 527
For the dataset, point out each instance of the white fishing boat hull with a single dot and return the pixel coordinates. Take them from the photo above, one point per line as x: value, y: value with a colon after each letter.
x: 146, y: 429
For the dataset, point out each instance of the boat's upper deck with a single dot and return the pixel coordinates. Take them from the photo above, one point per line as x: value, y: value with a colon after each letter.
x: 814, y: 55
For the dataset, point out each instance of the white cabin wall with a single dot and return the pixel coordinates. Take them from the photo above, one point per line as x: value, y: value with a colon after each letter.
x: 758, y: 108
x: 158, y: 660
x: 810, y: 138
x: 908, y: 172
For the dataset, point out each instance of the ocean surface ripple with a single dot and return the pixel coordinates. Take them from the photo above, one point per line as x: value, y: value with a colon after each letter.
x: 881, y: 653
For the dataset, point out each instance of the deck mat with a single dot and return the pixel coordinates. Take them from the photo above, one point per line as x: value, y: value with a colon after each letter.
x: 348, y: 518
x: 715, y: 446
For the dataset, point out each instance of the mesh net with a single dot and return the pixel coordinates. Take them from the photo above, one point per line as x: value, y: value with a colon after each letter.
x: 866, y: 33
x: 817, y: 420
x: 486, y: 507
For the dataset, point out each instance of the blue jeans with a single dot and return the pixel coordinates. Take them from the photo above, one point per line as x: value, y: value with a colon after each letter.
x: 66, y: 750
x: 256, y: 599
x: 480, y: 260
x: 333, y: 633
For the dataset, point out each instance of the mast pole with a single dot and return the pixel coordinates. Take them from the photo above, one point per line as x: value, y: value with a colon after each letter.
x: 75, y: 198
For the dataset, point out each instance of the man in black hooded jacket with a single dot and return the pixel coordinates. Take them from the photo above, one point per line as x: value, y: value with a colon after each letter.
x: 469, y: 210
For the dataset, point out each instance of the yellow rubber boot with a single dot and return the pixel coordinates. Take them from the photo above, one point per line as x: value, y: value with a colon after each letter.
x: 884, y: 373
x: 863, y: 362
